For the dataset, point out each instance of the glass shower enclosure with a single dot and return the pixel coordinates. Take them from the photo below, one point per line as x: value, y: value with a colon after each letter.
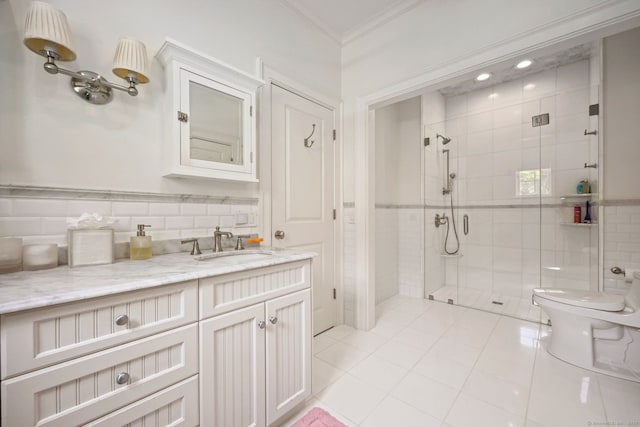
x: 510, y: 183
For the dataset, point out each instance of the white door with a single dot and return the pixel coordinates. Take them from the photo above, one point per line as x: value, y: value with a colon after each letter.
x: 232, y: 357
x: 303, y: 191
x: 288, y: 352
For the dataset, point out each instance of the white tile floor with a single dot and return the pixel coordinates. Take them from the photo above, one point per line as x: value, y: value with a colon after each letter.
x: 433, y: 364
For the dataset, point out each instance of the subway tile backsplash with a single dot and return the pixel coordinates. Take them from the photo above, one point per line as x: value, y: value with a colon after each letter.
x: 43, y: 220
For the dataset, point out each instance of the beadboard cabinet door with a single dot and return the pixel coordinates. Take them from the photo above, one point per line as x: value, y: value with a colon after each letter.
x: 288, y: 349
x: 232, y: 369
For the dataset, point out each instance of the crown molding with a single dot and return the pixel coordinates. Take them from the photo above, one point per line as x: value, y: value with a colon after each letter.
x: 310, y: 17
x: 389, y: 14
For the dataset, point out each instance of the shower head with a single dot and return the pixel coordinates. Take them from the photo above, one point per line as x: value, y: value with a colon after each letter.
x: 445, y: 140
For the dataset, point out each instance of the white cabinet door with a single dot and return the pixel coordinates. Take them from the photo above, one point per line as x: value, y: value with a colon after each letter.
x: 288, y: 352
x: 232, y: 389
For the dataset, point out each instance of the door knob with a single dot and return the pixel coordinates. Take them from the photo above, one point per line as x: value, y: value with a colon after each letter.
x: 279, y: 234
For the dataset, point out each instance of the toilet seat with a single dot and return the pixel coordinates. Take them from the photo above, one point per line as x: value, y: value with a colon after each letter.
x: 586, y: 299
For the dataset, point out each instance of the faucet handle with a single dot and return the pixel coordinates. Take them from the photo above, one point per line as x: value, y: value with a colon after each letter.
x: 239, y: 243
x: 196, y: 246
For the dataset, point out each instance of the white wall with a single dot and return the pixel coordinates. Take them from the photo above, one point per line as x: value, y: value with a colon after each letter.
x: 52, y: 138
x: 621, y: 71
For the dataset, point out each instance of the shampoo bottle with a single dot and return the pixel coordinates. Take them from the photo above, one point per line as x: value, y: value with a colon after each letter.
x: 140, y: 245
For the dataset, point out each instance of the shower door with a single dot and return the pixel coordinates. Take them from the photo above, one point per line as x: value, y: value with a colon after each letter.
x: 517, y: 152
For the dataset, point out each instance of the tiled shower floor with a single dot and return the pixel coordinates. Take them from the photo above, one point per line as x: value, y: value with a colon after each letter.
x: 433, y: 364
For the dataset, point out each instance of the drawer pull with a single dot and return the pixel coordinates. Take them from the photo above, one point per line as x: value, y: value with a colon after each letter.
x: 122, y: 378
x: 273, y: 320
x: 122, y: 320
x: 262, y: 324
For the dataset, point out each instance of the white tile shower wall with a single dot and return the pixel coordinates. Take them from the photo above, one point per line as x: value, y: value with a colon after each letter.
x: 387, y: 255
x: 45, y: 220
x: 410, y: 252
x: 621, y: 244
x: 349, y: 263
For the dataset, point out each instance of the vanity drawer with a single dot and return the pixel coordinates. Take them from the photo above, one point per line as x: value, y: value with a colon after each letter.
x: 38, y: 338
x: 228, y: 292
x: 78, y: 391
x: 176, y: 406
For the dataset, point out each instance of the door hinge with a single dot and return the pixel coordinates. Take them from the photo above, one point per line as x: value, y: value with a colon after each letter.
x: 334, y: 214
x: 251, y: 111
x: 334, y: 293
x: 334, y: 134
x: 183, y: 117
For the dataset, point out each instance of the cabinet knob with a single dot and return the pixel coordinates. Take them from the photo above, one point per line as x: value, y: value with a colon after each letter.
x: 262, y: 324
x: 273, y: 320
x: 122, y: 378
x: 122, y: 320
x: 279, y: 234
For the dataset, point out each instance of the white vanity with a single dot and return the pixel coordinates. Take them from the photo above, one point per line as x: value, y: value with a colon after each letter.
x: 168, y: 341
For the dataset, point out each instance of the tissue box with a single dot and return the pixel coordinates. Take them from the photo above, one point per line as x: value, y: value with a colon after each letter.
x: 90, y: 246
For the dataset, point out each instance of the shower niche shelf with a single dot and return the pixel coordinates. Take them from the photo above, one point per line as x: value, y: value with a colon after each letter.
x: 579, y: 224
x: 443, y: 255
x: 578, y: 196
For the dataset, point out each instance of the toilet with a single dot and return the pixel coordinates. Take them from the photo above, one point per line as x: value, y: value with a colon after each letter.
x: 593, y: 330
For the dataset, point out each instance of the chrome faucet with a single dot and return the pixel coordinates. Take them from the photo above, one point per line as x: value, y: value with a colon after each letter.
x: 217, y: 239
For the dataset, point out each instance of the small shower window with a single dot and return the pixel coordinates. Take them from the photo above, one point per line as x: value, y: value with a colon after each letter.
x: 533, y: 182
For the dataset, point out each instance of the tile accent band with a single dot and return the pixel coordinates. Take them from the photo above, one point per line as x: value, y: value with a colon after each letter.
x: 72, y: 193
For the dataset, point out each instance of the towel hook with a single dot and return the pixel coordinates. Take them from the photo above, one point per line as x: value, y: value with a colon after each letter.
x: 306, y: 140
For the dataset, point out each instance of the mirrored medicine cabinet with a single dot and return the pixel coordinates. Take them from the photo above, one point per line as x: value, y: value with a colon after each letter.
x: 211, y: 123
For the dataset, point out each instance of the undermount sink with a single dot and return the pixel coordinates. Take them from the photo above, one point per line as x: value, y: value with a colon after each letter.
x: 235, y: 256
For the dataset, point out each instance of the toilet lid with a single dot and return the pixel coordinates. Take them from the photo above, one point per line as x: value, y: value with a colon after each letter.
x: 588, y: 299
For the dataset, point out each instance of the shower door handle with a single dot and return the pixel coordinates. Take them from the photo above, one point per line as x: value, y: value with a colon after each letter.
x: 465, y: 224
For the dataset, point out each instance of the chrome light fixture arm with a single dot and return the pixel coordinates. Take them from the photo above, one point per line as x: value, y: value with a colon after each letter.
x: 88, y: 85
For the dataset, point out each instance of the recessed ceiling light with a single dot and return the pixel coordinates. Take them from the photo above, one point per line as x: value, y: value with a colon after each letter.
x: 482, y: 77
x: 524, y: 64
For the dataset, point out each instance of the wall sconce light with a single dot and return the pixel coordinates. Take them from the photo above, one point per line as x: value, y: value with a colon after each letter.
x: 47, y: 33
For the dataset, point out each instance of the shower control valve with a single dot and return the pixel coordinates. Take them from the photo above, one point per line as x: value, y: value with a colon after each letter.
x: 440, y: 220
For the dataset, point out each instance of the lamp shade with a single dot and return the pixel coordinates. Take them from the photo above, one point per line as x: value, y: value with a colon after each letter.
x: 130, y: 60
x: 46, y: 28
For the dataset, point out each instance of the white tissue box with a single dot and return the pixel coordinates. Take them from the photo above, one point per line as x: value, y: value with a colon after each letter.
x: 90, y: 246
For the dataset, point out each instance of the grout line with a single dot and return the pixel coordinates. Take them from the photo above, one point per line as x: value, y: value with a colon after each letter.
x: 473, y: 368
x: 533, y: 371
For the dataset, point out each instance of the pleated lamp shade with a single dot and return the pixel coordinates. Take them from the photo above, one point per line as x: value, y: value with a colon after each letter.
x: 131, y: 60
x: 46, y: 28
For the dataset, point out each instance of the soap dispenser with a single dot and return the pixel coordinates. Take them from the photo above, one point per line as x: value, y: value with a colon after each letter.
x: 140, y: 245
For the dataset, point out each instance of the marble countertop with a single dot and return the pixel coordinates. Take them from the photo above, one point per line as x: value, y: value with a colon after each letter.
x: 34, y: 289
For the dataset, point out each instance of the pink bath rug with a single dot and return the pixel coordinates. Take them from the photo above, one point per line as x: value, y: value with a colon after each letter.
x: 317, y: 417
